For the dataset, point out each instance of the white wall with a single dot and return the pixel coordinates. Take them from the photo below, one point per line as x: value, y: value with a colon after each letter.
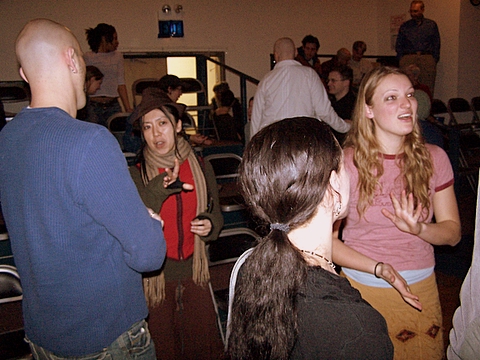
x: 246, y: 29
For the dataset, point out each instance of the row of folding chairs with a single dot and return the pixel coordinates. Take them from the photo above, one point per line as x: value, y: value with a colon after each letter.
x: 459, y: 110
x: 463, y: 127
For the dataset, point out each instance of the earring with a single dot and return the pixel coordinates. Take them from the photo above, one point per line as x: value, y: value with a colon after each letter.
x: 338, y: 208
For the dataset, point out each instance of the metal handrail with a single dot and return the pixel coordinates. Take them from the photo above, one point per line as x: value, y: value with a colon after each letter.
x: 243, y: 83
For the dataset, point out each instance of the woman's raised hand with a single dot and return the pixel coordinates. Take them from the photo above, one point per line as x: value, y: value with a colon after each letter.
x: 406, y: 216
x: 172, y: 176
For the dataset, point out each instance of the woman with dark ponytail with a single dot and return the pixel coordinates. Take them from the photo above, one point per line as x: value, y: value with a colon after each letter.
x: 289, y: 303
x: 103, y: 42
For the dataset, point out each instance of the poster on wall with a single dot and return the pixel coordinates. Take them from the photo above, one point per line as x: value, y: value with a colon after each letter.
x: 395, y: 22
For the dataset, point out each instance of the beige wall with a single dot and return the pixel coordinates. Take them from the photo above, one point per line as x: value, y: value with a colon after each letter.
x: 246, y: 30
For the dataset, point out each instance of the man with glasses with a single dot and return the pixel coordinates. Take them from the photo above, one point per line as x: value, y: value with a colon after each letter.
x: 340, y: 93
x: 341, y: 96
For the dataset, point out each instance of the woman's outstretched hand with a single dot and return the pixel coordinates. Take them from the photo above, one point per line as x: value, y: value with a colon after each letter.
x: 172, y: 176
x: 390, y: 275
x: 406, y: 216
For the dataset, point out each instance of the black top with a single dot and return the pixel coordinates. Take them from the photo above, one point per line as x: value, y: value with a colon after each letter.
x: 334, y: 322
x: 345, y: 106
x: 229, y: 128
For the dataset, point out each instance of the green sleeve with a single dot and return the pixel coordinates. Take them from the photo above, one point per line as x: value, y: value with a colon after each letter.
x: 215, y: 213
x: 154, y: 194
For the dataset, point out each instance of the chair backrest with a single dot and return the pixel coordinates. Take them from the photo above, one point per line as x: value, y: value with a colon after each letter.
x: 438, y: 107
x: 439, y: 110
x: 230, y: 244
x: 117, y: 125
x: 231, y: 293
x: 460, y: 111
x: 475, y: 105
x: 139, y: 85
x: 10, y: 286
x: 225, y: 166
x: 14, y: 91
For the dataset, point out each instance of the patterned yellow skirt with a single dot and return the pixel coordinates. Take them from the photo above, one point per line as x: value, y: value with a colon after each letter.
x: 414, y: 334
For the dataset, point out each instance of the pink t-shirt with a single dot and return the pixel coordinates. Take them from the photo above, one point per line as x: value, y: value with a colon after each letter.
x: 375, y: 235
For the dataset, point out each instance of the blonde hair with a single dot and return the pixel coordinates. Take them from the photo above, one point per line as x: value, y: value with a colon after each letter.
x: 416, y: 164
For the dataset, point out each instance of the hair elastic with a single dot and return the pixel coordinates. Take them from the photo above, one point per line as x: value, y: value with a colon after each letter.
x: 375, y: 270
x: 281, y: 227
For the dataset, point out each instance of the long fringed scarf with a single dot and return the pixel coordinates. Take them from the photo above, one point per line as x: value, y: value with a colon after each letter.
x: 154, y: 287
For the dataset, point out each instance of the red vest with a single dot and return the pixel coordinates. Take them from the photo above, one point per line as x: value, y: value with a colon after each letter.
x: 177, y: 212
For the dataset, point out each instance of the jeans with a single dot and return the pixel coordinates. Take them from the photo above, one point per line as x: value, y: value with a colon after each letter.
x: 99, y: 113
x: 134, y: 343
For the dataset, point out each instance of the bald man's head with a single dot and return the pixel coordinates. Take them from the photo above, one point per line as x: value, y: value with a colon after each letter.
x: 40, y: 44
x: 51, y: 62
x: 284, y: 49
x: 344, y: 56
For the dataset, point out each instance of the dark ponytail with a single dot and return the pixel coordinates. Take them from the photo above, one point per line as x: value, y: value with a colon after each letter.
x: 284, y: 175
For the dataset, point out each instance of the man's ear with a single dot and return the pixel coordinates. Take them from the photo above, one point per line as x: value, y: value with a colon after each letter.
x: 368, y: 111
x: 22, y: 74
x: 71, y: 62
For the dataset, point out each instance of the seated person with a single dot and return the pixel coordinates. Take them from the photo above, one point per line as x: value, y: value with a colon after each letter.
x: 307, y: 53
x: 93, y: 82
x: 342, y: 58
x: 430, y: 131
x: 358, y: 63
x: 340, y: 94
x: 218, y: 89
x: 228, y: 126
x: 413, y: 73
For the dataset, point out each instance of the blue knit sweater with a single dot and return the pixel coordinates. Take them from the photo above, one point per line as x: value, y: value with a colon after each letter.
x: 80, y: 233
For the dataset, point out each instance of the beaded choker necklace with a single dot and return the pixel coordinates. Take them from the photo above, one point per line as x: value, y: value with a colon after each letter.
x: 331, y: 264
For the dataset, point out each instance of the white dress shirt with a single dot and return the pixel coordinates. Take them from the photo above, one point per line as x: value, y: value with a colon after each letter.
x: 292, y: 90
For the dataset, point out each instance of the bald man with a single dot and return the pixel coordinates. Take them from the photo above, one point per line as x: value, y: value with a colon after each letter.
x: 80, y: 233
x: 341, y: 59
x: 290, y: 90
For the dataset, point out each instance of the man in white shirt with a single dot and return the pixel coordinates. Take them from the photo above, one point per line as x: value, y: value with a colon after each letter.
x: 291, y: 90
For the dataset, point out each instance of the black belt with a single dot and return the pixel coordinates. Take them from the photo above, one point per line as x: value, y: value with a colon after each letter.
x: 104, y: 101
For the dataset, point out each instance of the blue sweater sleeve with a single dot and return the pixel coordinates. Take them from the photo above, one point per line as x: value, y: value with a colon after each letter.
x: 111, y: 198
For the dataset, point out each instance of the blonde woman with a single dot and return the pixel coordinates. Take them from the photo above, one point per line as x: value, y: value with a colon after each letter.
x: 398, y: 184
